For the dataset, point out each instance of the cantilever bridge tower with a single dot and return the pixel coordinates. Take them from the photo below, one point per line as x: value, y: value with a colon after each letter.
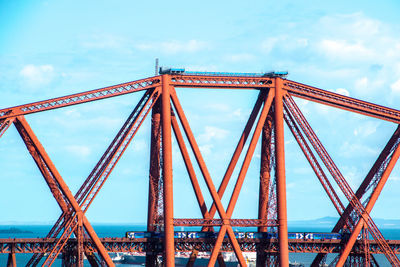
x: 73, y: 236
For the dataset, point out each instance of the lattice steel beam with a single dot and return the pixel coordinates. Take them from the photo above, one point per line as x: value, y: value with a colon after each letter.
x: 84, y: 97
x: 340, y: 101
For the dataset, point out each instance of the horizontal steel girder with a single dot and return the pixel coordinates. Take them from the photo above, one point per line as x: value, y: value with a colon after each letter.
x: 115, y: 244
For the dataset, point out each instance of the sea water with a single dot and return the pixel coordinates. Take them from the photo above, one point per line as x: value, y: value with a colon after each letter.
x: 39, y: 231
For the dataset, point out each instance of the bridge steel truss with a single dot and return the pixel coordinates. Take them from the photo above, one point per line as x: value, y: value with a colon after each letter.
x: 274, y: 106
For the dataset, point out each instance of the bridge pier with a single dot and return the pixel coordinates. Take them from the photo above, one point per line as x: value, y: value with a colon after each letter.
x: 265, y: 177
x: 169, y: 248
x: 11, y: 261
x: 153, y: 215
x: 280, y: 176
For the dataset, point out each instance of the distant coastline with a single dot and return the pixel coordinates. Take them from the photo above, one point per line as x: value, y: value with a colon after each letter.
x: 14, y: 230
x: 331, y: 221
x: 324, y: 222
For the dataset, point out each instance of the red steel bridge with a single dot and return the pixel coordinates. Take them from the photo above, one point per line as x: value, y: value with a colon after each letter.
x: 73, y: 236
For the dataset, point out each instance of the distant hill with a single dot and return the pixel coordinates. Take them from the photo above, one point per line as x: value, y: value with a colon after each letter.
x: 329, y: 222
x: 14, y: 230
x: 325, y: 222
x: 320, y: 222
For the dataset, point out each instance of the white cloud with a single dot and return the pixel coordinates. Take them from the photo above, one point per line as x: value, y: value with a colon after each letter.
x: 173, y: 47
x: 237, y: 113
x: 342, y: 91
x: 366, y: 129
x: 78, y: 150
x: 218, y: 107
x: 268, y: 44
x: 283, y: 43
x: 352, y: 176
x: 360, y: 42
x: 323, y: 109
x: 206, y: 149
x: 303, y: 170
x: 202, y: 68
x: 345, y: 51
x: 103, y: 41
x: 351, y: 26
x: 240, y: 57
x: 365, y: 86
x: 394, y: 178
x: 211, y: 132
x: 361, y: 84
x: 348, y: 150
x: 139, y: 145
x: 289, y: 141
x: 75, y: 121
x: 37, y: 75
x: 190, y: 46
x: 303, y: 105
x: 396, y: 87
x: 291, y: 185
x: 72, y: 113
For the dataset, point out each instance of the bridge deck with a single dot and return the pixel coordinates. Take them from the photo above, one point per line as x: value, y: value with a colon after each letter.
x: 116, y: 244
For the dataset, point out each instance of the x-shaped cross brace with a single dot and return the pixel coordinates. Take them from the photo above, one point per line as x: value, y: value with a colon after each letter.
x: 73, y: 218
x: 57, y: 186
x: 225, y: 215
x: 383, y: 166
x: 345, y: 218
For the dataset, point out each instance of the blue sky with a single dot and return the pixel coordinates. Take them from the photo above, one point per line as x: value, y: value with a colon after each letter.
x: 54, y: 48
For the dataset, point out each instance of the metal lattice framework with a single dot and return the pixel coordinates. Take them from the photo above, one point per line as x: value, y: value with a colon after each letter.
x: 274, y: 106
x: 113, y: 244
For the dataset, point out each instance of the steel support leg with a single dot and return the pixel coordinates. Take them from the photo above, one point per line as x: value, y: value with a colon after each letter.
x: 11, y: 261
x: 169, y: 260
x: 67, y: 257
x: 154, y: 178
x: 367, y: 253
x: 79, y: 239
x: 265, y: 177
x: 280, y: 175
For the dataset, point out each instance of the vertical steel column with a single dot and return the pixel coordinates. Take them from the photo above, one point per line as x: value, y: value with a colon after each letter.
x: 169, y: 260
x: 265, y: 177
x: 265, y: 169
x: 154, y: 177
x: 11, y: 261
x: 367, y: 253
x: 67, y: 258
x: 79, y: 239
x: 280, y: 175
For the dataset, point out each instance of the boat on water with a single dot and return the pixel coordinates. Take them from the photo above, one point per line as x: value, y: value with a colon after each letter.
x: 296, y: 264
x: 181, y: 258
